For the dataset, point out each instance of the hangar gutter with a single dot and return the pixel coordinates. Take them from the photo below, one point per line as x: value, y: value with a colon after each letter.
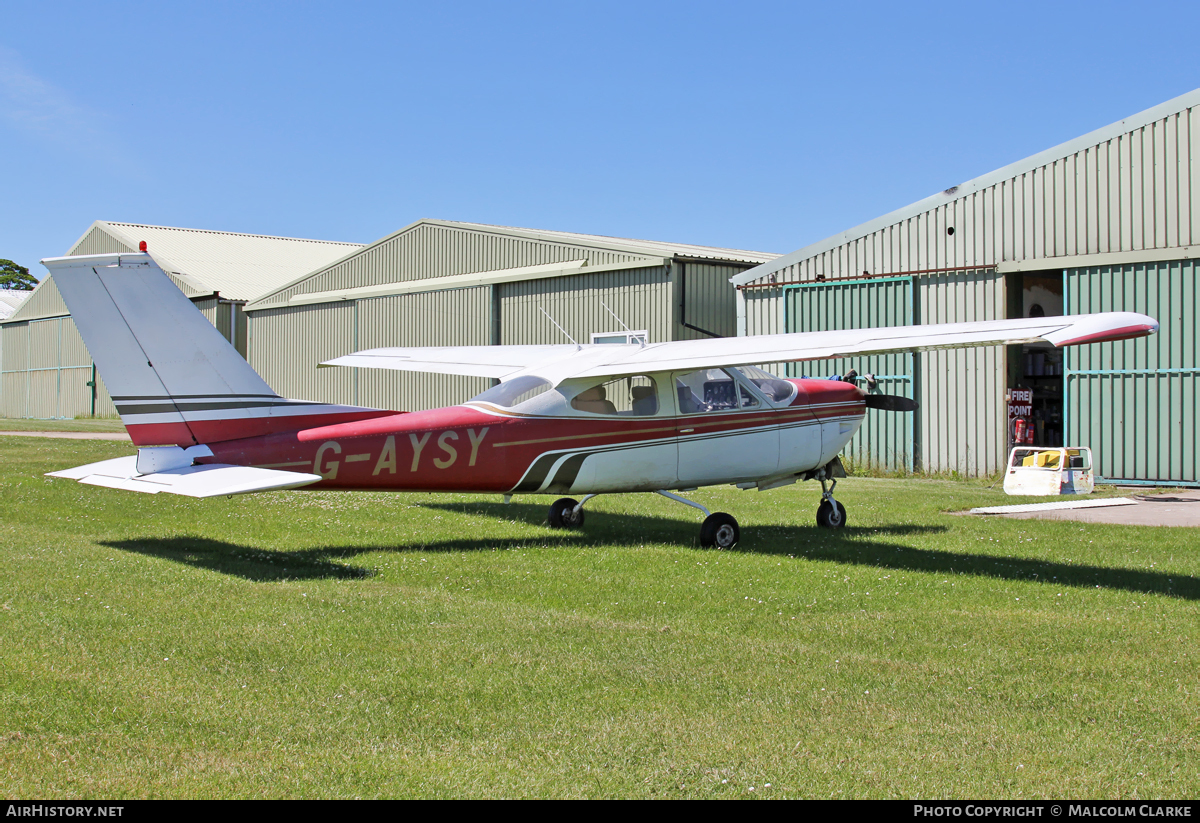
x: 462, y: 281
x: 1086, y: 261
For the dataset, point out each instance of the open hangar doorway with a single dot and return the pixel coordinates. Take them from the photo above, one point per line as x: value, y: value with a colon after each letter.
x: 1037, y: 368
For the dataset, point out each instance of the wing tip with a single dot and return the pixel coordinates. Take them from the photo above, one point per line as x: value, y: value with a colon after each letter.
x: 1105, y: 328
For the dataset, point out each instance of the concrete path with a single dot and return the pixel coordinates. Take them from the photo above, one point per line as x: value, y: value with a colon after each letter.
x: 1181, y: 508
x: 71, y: 435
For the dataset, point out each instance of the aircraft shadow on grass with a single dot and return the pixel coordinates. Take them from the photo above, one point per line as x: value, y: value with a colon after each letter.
x: 876, y: 547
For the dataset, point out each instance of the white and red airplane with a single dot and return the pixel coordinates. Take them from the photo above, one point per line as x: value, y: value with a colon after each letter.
x: 563, y: 419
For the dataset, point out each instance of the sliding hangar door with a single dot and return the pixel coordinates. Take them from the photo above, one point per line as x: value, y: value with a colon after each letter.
x: 1135, y: 402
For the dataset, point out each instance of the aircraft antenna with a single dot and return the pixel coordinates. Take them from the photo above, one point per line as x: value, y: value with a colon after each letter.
x: 614, y: 314
x: 560, y: 328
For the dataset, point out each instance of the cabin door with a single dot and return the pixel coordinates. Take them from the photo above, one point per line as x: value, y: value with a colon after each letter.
x: 726, y: 433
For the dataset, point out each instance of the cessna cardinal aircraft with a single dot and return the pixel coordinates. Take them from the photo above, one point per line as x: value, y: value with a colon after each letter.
x: 563, y: 419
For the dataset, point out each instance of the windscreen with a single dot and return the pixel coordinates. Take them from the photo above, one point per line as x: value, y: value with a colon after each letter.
x: 513, y: 392
x: 776, y: 390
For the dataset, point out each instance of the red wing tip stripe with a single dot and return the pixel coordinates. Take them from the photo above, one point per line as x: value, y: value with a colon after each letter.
x: 1125, y: 333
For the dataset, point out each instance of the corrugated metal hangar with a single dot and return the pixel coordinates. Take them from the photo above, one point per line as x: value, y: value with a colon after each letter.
x: 48, y: 372
x: 1109, y: 221
x: 440, y: 283
x: 288, y: 304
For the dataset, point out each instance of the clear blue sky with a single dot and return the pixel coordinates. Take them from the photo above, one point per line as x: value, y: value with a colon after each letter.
x: 763, y: 126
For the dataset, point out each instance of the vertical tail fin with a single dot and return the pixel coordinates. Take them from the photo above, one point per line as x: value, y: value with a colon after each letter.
x: 173, y: 377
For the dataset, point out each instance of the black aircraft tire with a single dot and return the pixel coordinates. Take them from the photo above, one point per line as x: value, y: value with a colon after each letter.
x: 719, y: 531
x: 564, y: 516
x: 829, y: 517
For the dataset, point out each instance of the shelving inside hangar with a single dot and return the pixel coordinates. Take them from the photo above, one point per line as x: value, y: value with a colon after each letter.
x: 1039, y: 367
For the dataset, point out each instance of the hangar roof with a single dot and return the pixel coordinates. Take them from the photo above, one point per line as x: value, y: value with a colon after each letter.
x: 238, y: 266
x: 653, y: 247
x: 444, y: 254
x: 11, y: 300
x: 1153, y: 159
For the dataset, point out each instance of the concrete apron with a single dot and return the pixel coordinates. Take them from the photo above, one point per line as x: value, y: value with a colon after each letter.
x: 1177, y: 508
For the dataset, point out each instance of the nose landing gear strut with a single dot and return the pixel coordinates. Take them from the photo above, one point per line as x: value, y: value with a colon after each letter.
x: 830, y: 514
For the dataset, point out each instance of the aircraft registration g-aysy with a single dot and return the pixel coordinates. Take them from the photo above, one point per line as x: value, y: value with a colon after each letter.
x: 566, y: 420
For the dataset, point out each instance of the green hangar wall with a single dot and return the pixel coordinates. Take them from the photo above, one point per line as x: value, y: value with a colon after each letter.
x: 1109, y: 221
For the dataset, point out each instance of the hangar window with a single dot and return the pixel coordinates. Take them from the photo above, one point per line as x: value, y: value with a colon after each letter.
x: 633, y: 396
x: 620, y: 337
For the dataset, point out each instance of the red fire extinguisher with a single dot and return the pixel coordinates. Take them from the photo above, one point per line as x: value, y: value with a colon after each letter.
x: 1019, y: 430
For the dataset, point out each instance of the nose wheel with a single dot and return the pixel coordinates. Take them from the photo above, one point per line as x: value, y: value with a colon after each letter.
x: 830, y: 514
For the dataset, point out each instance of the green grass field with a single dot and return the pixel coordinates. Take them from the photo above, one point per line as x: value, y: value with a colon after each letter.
x: 83, y: 424
x: 367, y: 645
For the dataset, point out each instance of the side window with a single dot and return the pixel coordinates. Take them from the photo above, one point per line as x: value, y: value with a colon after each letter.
x: 625, y: 396
x: 710, y: 390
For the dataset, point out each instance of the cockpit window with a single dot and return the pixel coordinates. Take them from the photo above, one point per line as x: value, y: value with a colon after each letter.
x: 775, y: 389
x: 711, y: 390
x: 514, y: 392
x: 635, y: 396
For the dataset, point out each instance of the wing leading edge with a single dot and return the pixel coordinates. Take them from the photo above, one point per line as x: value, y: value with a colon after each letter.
x: 559, y: 363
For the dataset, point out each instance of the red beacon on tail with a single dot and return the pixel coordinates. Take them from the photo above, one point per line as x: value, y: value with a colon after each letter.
x: 570, y: 421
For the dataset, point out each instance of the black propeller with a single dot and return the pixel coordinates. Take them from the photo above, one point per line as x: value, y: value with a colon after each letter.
x: 891, y: 402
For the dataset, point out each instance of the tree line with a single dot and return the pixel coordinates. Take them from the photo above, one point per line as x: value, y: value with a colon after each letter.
x: 14, y: 276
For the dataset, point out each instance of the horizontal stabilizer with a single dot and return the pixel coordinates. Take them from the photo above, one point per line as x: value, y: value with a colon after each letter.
x: 210, y: 480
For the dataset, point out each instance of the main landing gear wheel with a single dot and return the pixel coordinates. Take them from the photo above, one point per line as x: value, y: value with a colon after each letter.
x: 831, y: 514
x: 719, y: 531
x: 564, y: 514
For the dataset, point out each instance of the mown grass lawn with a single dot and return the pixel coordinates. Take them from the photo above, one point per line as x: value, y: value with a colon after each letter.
x: 82, y: 424
x: 365, y: 645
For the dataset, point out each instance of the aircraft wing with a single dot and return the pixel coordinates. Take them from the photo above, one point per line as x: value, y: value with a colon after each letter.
x: 500, y: 362
x: 558, y: 363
